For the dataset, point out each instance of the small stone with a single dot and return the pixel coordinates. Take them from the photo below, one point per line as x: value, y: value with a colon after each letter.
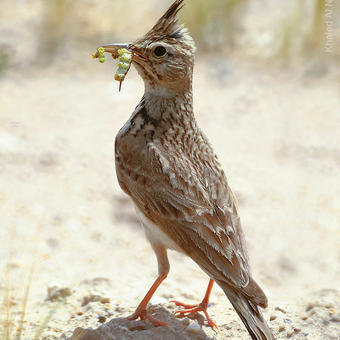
x: 119, y: 309
x: 329, y: 306
x: 335, y: 318
x: 304, y: 317
x: 272, y: 317
x: 101, y: 318
x: 194, y: 328
x: 288, y: 321
x: 105, y: 300
x: 289, y: 334
x: 297, y: 330
x: 309, y: 307
x: 280, y: 310
x: 282, y: 328
x: 94, y: 296
x: 56, y: 291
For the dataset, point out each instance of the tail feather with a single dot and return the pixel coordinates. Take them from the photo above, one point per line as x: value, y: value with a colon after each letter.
x: 250, y: 315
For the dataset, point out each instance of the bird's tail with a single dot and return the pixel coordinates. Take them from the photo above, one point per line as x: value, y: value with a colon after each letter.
x: 250, y: 314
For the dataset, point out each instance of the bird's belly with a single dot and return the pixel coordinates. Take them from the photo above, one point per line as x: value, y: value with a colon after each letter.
x: 155, y: 234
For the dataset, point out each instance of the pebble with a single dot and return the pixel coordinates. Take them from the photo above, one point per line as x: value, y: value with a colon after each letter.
x: 280, y: 310
x: 335, y: 318
x: 310, y: 306
x: 194, y: 328
x: 282, y: 328
x: 95, y: 296
x: 105, y: 300
x: 56, y: 291
x: 289, y: 334
x: 101, y: 318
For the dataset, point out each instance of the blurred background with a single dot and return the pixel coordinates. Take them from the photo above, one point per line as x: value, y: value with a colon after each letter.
x: 41, y: 32
x: 266, y: 89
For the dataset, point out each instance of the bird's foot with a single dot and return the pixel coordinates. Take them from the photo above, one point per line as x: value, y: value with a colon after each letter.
x: 143, y: 315
x: 193, y: 309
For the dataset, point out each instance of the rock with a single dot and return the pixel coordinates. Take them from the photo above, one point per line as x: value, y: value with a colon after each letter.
x: 101, y: 318
x: 56, y: 291
x: 272, y: 317
x: 281, y: 310
x: 194, y: 328
x: 282, y: 328
x: 95, y: 296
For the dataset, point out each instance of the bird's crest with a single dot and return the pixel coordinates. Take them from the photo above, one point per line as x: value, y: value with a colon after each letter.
x: 168, y: 26
x: 168, y: 23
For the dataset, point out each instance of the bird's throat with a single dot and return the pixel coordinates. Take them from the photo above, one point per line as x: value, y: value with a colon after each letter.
x: 176, y: 107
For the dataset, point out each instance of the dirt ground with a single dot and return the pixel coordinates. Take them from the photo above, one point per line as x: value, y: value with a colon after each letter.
x: 277, y: 135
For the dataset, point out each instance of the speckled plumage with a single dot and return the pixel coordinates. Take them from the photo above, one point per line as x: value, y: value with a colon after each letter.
x: 166, y: 165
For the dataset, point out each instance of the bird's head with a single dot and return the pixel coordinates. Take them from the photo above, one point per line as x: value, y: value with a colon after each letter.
x: 164, y: 57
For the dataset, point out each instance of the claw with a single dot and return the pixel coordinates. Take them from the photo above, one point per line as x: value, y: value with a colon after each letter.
x: 193, y: 309
x: 181, y: 304
x: 143, y: 315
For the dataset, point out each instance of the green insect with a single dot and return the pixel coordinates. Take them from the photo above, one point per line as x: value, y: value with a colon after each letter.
x: 101, y: 51
x: 100, y: 54
x: 123, y: 65
x: 124, y: 58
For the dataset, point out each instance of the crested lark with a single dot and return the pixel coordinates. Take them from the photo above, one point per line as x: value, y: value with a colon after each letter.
x: 166, y: 165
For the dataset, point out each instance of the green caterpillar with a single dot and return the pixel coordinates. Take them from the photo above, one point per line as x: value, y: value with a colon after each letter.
x: 124, y: 59
x: 100, y: 54
x: 101, y: 51
x: 124, y: 64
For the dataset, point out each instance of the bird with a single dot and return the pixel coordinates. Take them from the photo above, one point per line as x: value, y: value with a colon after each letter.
x: 167, y: 166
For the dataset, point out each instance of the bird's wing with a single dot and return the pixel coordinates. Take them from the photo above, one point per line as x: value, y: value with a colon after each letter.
x: 195, y: 208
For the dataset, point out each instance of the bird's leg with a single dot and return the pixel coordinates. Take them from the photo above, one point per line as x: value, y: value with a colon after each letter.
x: 163, y: 269
x: 140, y: 312
x: 202, y: 307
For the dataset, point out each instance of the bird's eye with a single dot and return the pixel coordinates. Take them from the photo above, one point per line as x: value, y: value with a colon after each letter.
x: 159, y: 51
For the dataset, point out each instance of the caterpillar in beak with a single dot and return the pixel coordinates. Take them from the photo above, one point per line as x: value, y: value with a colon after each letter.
x: 124, y: 61
x: 124, y: 65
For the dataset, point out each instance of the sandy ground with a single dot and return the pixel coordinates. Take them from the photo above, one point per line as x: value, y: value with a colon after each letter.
x: 276, y: 132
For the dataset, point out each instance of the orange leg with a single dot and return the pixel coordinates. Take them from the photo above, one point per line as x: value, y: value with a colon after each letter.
x: 141, y: 309
x: 202, y: 307
x: 163, y: 270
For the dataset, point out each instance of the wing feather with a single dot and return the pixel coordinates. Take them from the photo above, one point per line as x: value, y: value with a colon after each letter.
x: 196, y: 209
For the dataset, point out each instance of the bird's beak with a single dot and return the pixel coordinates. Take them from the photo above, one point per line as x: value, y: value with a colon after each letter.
x: 113, y: 48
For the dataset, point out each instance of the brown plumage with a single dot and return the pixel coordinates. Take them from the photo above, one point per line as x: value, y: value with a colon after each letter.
x: 166, y: 165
